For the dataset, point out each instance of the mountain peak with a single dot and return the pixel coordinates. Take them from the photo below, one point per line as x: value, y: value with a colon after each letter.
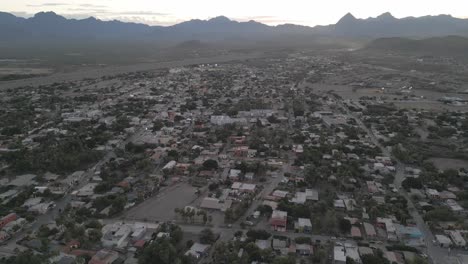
x: 222, y: 19
x: 47, y: 15
x: 347, y: 18
x: 386, y: 16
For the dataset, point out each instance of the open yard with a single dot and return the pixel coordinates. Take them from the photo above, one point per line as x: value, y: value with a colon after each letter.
x: 161, y: 207
x: 444, y: 163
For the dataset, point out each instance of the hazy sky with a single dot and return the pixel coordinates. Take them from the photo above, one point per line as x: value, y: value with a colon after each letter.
x: 167, y: 12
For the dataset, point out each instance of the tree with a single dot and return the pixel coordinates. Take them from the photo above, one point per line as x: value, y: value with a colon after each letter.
x: 265, y: 209
x: 311, y: 175
x: 210, y: 164
x: 258, y: 234
x: 411, y: 182
x: 329, y: 222
x: 253, y: 251
x: 345, y: 225
x: 26, y: 257
x: 94, y: 235
x: 374, y: 259
x: 207, y: 236
x: 418, y: 260
x: 285, y: 260
x: 161, y: 252
x: 157, y: 125
x: 228, y: 216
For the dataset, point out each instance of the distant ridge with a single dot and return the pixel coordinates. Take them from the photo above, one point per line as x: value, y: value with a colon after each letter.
x: 50, y: 26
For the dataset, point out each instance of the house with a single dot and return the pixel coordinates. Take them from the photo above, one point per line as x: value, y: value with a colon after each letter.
x: 234, y: 175
x: 7, y: 219
x: 384, y: 160
x: 370, y: 230
x: 350, y: 204
x: 417, y: 193
x: 278, y: 220
x: 339, y: 256
x: 241, y: 151
x: 104, y: 256
x: 351, y: 251
x: 279, y: 243
x: 453, y: 205
x: 50, y: 177
x: 304, y: 249
x: 339, y: 204
x: 447, y: 195
x: 115, y: 235
x: 13, y: 225
x: 394, y: 257
x: 312, y: 194
x: 372, y: 187
x: 197, y: 250
x: 278, y: 194
x: 356, y: 232
x: 87, y: 190
x: 298, y: 149
x: 244, y: 187
x: 272, y: 204
x: 299, y: 198
x: 303, y: 225
x: 408, y: 232
x: 249, y: 176
x: 365, y: 251
x: 263, y: 244
x: 443, y: 241
x: 389, y: 226
x: 23, y: 180
x: 170, y: 165
x: 32, y: 202
x: 432, y: 193
x: 41, y: 208
x: 457, y: 238
x: 8, y: 195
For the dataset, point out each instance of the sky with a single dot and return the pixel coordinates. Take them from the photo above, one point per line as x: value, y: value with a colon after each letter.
x: 272, y: 12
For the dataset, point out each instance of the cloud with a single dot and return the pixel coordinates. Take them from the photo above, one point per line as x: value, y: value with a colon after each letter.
x: 269, y: 20
x: 89, y: 11
x: 49, y: 4
x: 92, y: 6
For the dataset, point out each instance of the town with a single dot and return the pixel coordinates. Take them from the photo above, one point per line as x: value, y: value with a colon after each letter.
x: 298, y: 158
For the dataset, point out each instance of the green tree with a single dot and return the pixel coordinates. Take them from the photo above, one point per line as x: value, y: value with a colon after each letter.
x: 345, y: 226
x: 161, y: 252
x: 26, y: 257
x: 210, y: 164
x: 285, y: 260
x: 94, y: 235
x: 207, y: 236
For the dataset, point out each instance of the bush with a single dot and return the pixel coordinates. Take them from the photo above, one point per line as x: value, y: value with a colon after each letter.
x: 258, y: 234
x: 303, y: 240
x: 402, y: 248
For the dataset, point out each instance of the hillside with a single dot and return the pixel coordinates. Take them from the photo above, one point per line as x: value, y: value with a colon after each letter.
x: 441, y: 46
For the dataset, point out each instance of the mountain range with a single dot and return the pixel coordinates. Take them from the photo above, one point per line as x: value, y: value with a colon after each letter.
x: 50, y: 26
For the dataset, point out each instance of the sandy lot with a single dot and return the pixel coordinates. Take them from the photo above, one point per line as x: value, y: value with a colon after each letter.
x: 444, y: 163
x: 161, y: 207
x: 114, y: 70
x: 24, y: 71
